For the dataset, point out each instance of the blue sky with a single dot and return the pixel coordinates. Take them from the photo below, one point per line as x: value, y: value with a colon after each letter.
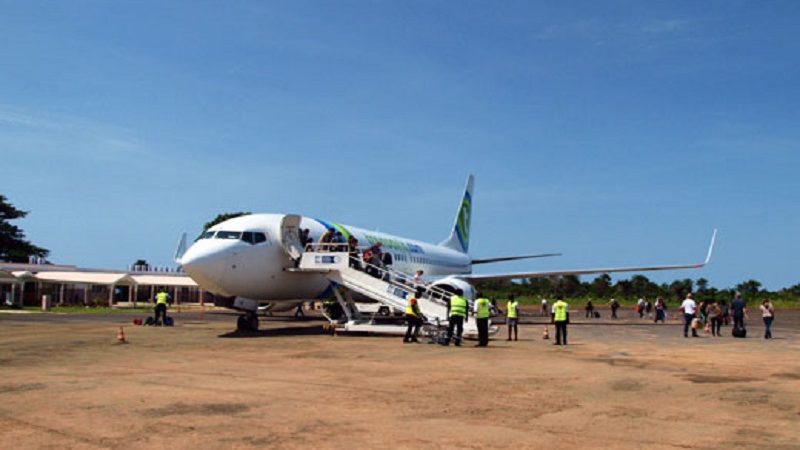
x: 615, y: 132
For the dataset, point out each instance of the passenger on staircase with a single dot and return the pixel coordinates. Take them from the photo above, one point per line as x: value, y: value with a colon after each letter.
x: 414, y: 318
x: 375, y: 260
x: 386, y: 261
x: 325, y: 240
x: 338, y: 241
x: 457, y: 316
x: 305, y: 239
x: 352, y: 249
x: 418, y: 279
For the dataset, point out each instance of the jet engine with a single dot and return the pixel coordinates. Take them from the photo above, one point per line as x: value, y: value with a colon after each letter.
x: 450, y: 284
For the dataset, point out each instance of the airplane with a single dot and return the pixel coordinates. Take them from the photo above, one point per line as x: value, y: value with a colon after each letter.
x: 253, y: 259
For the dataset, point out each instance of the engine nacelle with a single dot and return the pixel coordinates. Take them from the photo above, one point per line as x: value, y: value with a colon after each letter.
x: 450, y: 284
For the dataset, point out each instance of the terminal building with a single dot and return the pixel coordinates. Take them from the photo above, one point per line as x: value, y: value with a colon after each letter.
x: 64, y: 285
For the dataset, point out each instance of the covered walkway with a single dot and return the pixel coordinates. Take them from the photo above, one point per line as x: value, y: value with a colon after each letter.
x: 67, y: 285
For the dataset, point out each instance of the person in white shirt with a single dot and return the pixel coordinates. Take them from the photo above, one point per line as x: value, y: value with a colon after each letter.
x: 418, y: 279
x: 545, y: 312
x: 768, y: 315
x: 689, y: 308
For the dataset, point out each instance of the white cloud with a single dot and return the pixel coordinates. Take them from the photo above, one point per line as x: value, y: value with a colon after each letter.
x: 665, y: 26
x: 37, y: 132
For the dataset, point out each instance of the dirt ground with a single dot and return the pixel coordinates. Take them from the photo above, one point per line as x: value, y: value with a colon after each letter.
x: 66, y: 383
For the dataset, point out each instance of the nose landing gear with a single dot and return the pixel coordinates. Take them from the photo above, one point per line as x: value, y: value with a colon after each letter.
x: 247, y: 322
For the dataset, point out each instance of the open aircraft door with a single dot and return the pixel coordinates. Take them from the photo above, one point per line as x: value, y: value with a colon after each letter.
x: 290, y: 235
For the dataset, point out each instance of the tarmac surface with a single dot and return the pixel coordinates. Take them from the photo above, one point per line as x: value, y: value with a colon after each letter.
x: 66, y: 383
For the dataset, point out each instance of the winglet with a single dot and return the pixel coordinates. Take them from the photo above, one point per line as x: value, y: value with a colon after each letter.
x: 711, y: 247
x: 181, y: 248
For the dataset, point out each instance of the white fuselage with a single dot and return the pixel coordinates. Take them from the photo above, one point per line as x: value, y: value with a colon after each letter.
x: 230, y: 262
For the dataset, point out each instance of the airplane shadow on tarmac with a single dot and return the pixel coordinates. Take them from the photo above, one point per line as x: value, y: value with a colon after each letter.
x: 271, y: 332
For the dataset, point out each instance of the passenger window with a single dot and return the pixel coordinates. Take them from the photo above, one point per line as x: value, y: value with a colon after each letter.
x: 259, y: 238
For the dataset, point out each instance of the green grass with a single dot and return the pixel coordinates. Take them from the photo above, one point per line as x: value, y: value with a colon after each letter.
x: 90, y: 310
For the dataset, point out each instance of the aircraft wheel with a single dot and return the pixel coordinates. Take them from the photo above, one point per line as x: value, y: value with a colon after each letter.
x: 383, y: 311
x: 253, y: 319
x: 242, y: 323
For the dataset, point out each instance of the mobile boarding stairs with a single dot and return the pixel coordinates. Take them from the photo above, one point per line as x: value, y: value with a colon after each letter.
x: 349, y: 274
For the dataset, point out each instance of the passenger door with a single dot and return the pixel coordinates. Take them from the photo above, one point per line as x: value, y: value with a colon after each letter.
x: 290, y: 235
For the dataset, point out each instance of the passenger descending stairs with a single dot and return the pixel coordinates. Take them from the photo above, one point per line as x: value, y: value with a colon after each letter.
x: 390, y: 288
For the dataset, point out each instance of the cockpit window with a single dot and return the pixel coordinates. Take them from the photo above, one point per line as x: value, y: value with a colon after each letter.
x: 253, y: 237
x: 208, y: 235
x: 228, y: 234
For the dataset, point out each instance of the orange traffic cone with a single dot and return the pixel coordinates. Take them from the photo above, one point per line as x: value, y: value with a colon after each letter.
x: 546, y: 334
x: 121, y: 336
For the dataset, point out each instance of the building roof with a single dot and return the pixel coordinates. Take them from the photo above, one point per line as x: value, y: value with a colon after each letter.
x: 164, y: 280
x: 85, y: 277
x: 50, y: 273
x: 7, y: 277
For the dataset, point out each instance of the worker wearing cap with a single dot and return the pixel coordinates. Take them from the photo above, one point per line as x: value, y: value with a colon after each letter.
x: 560, y: 316
x: 457, y: 316
x: 482, y: 312
x: 414, y: 318
x: 512, y: 316
x: 162, y: 298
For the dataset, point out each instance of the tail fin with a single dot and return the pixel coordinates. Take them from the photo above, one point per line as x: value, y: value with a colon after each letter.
x: 459, y: 237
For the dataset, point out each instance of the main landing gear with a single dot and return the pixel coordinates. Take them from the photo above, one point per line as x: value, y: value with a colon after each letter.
x: 247, y: 322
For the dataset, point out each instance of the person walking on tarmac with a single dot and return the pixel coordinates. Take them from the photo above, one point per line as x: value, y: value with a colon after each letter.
x: 560, y: 317
x: 457, y: 316
x: 512, y: 316
x: 162, y: 298
x: 413, y: 317
x: 482, y: 312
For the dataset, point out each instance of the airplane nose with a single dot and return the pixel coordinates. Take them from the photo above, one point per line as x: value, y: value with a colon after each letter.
x: 205, y: 265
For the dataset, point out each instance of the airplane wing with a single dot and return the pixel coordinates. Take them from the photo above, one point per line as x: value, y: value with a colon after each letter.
x: 511, y: 258
x: 555, y: 273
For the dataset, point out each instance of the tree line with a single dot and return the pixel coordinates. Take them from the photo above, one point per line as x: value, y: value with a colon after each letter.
x: 630, y: 289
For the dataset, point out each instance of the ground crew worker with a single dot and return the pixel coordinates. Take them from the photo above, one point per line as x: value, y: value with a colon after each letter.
x: 162, y: 298
x: 512, y: 316
x: 414, y: 318
x: 329, y: 309
x: 560, y: 317
x: 482, y: 312
x: 457, y: 314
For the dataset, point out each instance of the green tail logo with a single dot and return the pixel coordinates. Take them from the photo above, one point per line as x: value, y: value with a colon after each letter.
x: 463, y: 222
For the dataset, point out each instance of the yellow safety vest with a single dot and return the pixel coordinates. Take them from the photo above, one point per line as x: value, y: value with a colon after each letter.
x: 483, y: 308
x: 458, y: 306
x: 161, y: 298
x: 560, y: 311
x: 410, y: 309
x: 511, y: 309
